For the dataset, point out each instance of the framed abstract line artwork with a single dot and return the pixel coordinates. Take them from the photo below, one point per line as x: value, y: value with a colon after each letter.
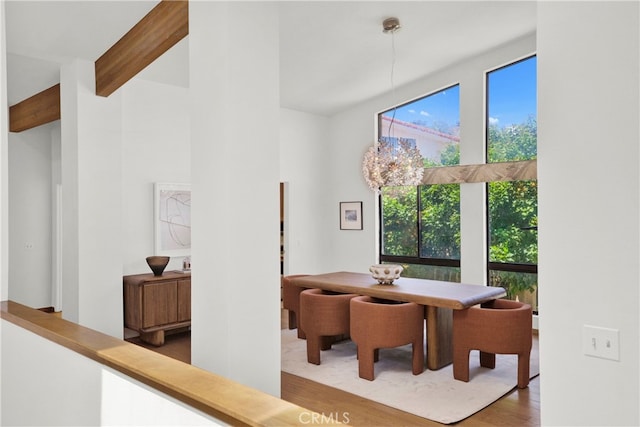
x: 350, y: 215
x: 172, y: 219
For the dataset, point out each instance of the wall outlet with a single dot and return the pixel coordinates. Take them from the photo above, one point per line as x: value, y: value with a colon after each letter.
x: 601, y: 342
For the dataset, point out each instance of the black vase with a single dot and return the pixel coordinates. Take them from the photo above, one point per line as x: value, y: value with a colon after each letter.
x: 158, y: 264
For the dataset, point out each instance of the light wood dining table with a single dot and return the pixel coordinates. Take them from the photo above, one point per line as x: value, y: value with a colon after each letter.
x: 439, y: 298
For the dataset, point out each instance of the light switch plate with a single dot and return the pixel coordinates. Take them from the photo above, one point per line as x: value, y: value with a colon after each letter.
x: 601, y: 342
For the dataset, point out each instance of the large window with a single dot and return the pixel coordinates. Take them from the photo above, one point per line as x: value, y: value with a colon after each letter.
x: 512, y: 219
x: 421, y: 225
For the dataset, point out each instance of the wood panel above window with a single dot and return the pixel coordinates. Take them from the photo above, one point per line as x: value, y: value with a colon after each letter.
x: 508, y: 171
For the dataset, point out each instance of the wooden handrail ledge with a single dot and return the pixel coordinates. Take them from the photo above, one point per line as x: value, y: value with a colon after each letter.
x: 210, y: 393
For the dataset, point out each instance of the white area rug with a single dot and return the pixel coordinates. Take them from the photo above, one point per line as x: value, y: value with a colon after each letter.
x: 435, y: 395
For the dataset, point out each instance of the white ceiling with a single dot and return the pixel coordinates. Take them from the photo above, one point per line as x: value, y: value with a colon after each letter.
x: 333, y: 54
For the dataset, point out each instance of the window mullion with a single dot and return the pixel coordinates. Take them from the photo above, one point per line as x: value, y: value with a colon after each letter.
x: 419, y: 219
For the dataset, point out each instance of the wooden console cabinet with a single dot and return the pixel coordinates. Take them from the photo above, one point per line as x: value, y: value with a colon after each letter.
x: 155, y: 304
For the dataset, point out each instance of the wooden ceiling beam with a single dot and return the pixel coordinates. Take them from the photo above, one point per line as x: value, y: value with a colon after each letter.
x: 163, y: 27
x: 41, y: 108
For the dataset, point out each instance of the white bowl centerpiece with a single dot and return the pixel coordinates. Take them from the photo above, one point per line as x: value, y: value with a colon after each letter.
x: 385, y: 274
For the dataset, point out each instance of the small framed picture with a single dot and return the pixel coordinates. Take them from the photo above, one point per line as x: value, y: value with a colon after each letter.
x: 350, y: 215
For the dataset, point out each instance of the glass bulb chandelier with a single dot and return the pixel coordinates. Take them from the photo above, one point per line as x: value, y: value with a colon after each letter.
x: 392, y: 163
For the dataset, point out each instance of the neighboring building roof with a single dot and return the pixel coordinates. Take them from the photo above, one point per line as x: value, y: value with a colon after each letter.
x: 421, y: 129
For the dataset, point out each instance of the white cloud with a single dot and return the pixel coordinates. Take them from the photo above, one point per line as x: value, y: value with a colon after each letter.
x: 412, y: 111
x: 493, y: 121
x: 424, y: 113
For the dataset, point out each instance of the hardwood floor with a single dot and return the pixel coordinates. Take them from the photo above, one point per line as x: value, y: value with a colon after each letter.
x: 177, y: 345
x: 517, y: 408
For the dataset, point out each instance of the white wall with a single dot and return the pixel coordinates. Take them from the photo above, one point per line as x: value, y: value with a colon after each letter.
x: 91, y: 192
x: 4, y: 185
x: 146, y: 142
x: 156, y: 148
x: 350, y: 135
x: 234, y: 96
x: 4, y: 193
x: 353, y: 131
x: 588, y: 133
x: 56, y: 216
x: 305, y: 170
x: 45, y: 384
x: 30, y: 216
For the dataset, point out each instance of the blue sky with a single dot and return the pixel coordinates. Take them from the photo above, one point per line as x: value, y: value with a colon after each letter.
x: 511, y: 92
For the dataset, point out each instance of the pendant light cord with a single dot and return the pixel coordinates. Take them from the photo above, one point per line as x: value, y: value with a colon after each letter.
x: 393, y: 88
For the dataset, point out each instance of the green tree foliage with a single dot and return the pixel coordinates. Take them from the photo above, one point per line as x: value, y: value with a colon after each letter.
x: 440, y: 217
x: 513, y: 216
x: 513, y: 143
x: 450, y: 156
x: 400, y: 221
x: 513, y: 208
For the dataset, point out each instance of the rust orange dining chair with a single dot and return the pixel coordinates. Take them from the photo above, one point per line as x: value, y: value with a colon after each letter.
x: 378, y: 323
x: 323, y: 316
x: 291, y: 301
x: 498, y: 326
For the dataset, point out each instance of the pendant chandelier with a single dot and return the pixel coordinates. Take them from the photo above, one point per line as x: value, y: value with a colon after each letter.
x: 392, y: 161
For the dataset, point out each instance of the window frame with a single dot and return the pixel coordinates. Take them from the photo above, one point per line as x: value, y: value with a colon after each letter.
x: 512, y: 267
x: 465, y: 173
x: 418, y: 260
x: 403, y: 259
